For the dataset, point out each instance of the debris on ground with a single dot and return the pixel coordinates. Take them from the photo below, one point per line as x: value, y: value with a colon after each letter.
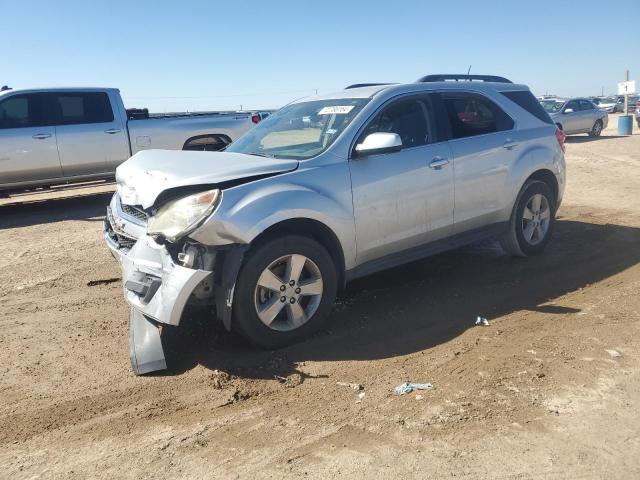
x: 354, y: 386
x: 419, y: 397
x: 360, y: 397
x: 614, y: 353
x: 482, y: 321
x: 409, y: 387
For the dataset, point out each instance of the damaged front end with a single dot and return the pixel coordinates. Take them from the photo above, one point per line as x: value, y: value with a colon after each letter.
x: 162, y: 197
x: 161, y: 278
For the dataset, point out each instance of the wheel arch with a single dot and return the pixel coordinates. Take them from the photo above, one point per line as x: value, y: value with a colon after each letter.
x: 313, y: 229
x: 199, y: 142
x: 546, y: 176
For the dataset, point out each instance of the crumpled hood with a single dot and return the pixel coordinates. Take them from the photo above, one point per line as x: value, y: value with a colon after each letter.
x: 149, y: 173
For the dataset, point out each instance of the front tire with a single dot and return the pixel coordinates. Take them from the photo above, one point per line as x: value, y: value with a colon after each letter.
x: 532, y: 220
x: 596, y: 130
x: 284, y: 292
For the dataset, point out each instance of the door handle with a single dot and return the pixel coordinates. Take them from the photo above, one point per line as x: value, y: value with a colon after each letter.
x: 41, y: 136
x: 438, y: 162
x: 111, y: 131
x: 510, y: 144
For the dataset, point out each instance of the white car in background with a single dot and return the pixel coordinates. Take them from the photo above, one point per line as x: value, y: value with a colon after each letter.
x: 609, y: 104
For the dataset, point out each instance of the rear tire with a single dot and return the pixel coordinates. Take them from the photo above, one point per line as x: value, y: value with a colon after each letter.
x: 264, y: 280
x: 596, y: 130
x: 532, y: 220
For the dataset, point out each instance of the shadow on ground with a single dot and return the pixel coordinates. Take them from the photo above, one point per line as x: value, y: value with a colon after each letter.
x: 37, y: 212
x: 586, y: 138
x: 423, y: 304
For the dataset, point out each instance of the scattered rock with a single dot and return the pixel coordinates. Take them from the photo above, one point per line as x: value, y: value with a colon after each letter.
x: 293, y: 380
x: 354, y: 386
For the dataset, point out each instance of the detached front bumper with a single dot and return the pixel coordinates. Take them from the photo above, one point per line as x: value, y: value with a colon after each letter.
x: 156, y: 288
x: 154, y: 284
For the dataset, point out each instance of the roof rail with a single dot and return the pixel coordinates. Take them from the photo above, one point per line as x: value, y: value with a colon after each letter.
x: 359, y: 85
x: 443, y: 77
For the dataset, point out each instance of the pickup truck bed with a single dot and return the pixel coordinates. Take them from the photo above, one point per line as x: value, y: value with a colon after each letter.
x: 64, y: 135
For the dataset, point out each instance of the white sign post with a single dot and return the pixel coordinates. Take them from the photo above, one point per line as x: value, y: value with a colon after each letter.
x: 627, y: 88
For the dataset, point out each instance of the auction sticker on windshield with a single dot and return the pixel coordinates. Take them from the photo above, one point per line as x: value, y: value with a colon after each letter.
x: 337, y: 109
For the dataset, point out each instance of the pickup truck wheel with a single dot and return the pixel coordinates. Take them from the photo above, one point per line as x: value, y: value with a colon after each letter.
x: 532, y: 220
x: 597, y: 129
x: 284, y: 291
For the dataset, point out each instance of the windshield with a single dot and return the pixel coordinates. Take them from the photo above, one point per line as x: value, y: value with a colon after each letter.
x: 553, y: 106
x: 300, y: 130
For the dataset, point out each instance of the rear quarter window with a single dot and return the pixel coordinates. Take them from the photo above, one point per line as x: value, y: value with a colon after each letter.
x: 471, y: 114
x: 526, y: 100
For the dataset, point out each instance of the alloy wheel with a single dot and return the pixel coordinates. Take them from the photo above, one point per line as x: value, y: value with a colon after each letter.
x: 597, y: 128
x: 288, y: 292
x: 536, y: 219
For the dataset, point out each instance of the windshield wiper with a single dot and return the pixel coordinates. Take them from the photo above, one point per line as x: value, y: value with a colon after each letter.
x: 261, y: 154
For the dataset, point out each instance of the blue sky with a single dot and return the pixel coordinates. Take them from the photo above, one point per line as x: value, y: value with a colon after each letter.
x: 195, y: 55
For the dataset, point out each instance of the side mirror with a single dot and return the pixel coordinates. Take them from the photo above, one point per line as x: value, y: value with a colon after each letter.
x: 568, y: 110
x: 379, y: 142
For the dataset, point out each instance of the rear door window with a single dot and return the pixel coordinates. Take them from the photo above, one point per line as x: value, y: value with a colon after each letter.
x: 573, y: 105
x: 526, y: 100
x: 586, y: 105
x: 472, y: 114
x: 73, y: 108
x: 22, y: 111
x: 411, y: 118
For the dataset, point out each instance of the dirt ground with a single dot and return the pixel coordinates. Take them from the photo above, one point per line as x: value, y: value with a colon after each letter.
x: 539, y: 393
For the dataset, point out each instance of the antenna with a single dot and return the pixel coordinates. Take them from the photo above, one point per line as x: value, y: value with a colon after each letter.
x: 469, y: 70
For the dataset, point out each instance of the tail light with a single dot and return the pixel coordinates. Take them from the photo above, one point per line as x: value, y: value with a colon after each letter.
x: 561, y: 137
x: 255, y: 118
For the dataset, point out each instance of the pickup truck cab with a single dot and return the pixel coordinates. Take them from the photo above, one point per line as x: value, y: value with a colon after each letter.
x: 61, y: 135
x: 328, y: 189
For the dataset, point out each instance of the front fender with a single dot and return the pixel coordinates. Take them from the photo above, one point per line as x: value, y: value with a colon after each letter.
x: 247, y: 212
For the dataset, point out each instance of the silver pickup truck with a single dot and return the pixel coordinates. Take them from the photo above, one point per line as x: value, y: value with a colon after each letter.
x: 64, y: 135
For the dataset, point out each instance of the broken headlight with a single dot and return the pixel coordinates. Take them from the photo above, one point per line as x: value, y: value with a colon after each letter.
x: 179, y: 217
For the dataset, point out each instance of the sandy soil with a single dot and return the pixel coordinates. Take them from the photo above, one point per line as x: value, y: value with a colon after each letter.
x: 535, y: 394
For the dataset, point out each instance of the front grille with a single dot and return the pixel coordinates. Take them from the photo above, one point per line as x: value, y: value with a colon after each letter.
x: 123, y: 240
x: 134, y: 212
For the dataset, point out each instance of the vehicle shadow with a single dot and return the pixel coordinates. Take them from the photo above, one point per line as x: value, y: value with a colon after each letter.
x: 90, y: 207
x: 587, y: 138
x: 423, y: 304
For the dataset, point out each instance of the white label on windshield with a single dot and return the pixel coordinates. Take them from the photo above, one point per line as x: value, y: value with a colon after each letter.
x: 338, y: 109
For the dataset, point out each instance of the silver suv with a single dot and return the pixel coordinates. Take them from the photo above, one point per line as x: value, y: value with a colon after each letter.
x: 326, y: 190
